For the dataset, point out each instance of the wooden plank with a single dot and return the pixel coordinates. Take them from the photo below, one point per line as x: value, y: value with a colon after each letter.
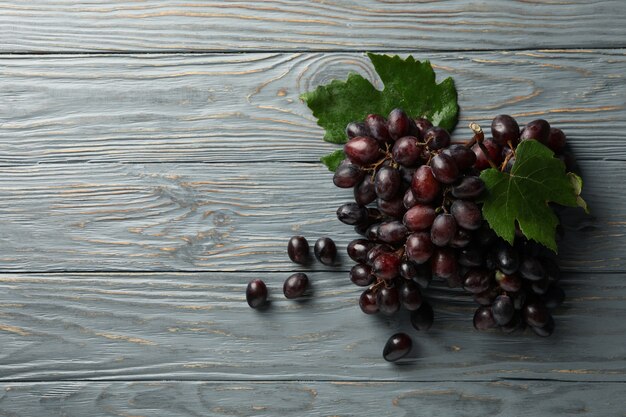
x: 159, y: 217
x: 125, y: 25
x: 239, y: 108
x: 185, y: 399
x: 183, y: 326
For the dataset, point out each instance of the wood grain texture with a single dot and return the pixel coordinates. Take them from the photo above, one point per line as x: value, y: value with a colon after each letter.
x: 183, y: 25
x: 228, y: 217
x: 316, y: 399
x: 194, y: 326
x: 240, y: 108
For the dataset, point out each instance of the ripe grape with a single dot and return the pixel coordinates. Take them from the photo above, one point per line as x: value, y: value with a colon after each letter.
x: 386, y: 266
x: 419, y: 217
x: 507, y: 258
x: 469, y: 188
x: 364, y: 191
x: 536, y: 314
x: 436, y: 138
x: 362, y: 150
x: 505, y: 129
x: 409, y: 200
x: 387, y: 182
x: 502, y: 309
x: 461, y: 239
x: 410, y: 295
x: 392, y: 232
x: 325, y: 250
x: 355, y: 129
x: 545, y: 330
x: 377, y: 126
x: 477, y: 280
x: 388, y: 300
x: 422, y: 125
x: 392, y: 208
x: 368, y: 302
x: 377, y: 250
x: 556, y: 140
x: 462, y: 155
x: 510, y: 282
x: 444, y: 168
x: 347, y: 175
x: 397, y: 347
x: 443, y: 229
x: 398, y: 124
x: 443, y: 263
x: 298, y: 249
x: 419, y: 247
x: 352, y: 213
x: 421, y: 274
x: 531, y: 269
x: 467, y: 214
x: 424, y: 185
x: 493, y: 151
x: 537, y: 129
x: 256, y: 293
x: 361, y: 275
x: 483, y: 318
x: 406, y: 151
x: 358, y: 248
x: 295, y: 285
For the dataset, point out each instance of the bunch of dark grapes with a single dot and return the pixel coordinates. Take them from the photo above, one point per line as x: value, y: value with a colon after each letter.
x: 416, y: 204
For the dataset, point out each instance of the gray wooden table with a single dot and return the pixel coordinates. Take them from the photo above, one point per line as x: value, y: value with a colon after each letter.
x: 154, y: 157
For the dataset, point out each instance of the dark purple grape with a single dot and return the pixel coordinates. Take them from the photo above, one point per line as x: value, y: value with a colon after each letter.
x: 419, y: 217
x: 422, y: 318
x: 536, y: 314
x: 493, y: 150
x: 372, y: 232
x: 443, y: 229
x: 553, y: 297
x: 469, y: 188
x: 386, y: 266
x: 352, y: 213
x: 347, y: 175
x: 325, y: 250
x: 467, y: 214
x: 364, y: 191
x: 398, y: 123
x: 443, y: 263
x: 546, y: 330
x: 519, y: 299
x: 387, y: 183
x: 444, y: 169
x: 507, y: 258
x: 422, y: 125
x: 393, y: 232
x: 436, y: 138
x: 486, y: 297
x: 388, y: 300
x: 461, y: 239
x: 421, y: 274
x: 295, y: 285
x: 483, y: 318
x: 540, y: 287
x: 531, y: 269
x: 502, y: 309
x: 409, y: 200
x: 556, y: 140
x: 377, y: 126
x: 298, y: 249
x: 407, y: 175
x: 355, y: 129
x: 377, y: 250
x: 358, y: 248
x: 477, y: 280
x: 368, y: 302
x: 463, y: 156
x: 510, y: 283
x: 361, y: 275
x: 471, y: 256
x: 256, y: 293
x: 505, y: 129
x: 410, y: 295
x: 397, y: 347
x: 392, y: 208
x: 537, y: 129
x: 406, y: 151
x: 362, y: 150
x: 419, y: 247
x: 424, y: 185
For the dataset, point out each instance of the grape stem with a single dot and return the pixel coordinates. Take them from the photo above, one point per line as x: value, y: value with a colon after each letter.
x: 478, y: 138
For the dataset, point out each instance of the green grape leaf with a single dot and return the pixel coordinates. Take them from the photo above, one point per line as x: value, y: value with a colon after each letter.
x: 522, y: 195
x: 333, y: 159
x: 408, y: 84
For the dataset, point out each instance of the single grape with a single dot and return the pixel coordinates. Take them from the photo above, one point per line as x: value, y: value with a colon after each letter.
x: 347, y: 175
x: 463, y: 156
x: 511, y: 283
x: 256, y: 293
x: 409, y: 200
x: 444, y: 168
x: 410, y: 295
x: 436, y: 138
x: 422, y: 319
x: 392, y: 208
x: 546, y: 330
x: 419, y: 217
x: 532, y: 269
x: 377, y: 250
x: 419, y: 247
x: 505, y: 129
x: 397, y: 347
x: 422, y: 125
x: 361, y: 275
x: 372, y: 232
x: 421, y: 274
x: 387, y: 183
x: 388, y: 300
x: 507, y: 258
x: 398, y: 123
x: 424, y: 185
x: 477, y: 280
x: 540, y: 287
x: 325, y: 250
x: 407, y: 175
x: 352, y: 213
x: 461, y: 239
x: 443, y: 229
x: 503, y: 309
x: 483, y: 318
x: 358, y: 248
x: 537, y: 129
x: 467, y: 214
x: 393, y: 232
x: 553, y: 297
x: 377, y: 126
x: 536, y: 314
x: 406, y: 151
x: 386, y: 266
x: 368, y: 302
x: 493, y: 150
x: 295, y: 285
x: 519, y: 299
x: 469, y: 188
x: 298, y: 249
x: 362, y: 150
x: 443, y: 263
x: 355, y: 129
x: 364, y: 191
